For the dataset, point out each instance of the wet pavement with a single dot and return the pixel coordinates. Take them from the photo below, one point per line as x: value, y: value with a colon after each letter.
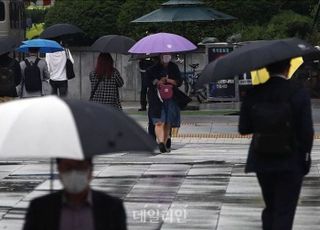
x: 200, y: 184
x: 213, y: 126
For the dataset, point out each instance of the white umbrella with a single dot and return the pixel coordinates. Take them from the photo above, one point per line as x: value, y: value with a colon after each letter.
x: 49, y: 127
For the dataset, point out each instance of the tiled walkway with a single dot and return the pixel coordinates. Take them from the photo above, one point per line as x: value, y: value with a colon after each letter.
x: 199, y: 185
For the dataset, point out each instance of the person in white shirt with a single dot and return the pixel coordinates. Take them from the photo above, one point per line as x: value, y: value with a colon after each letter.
x: 57, y: 68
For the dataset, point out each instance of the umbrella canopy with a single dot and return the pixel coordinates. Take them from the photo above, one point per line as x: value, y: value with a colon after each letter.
x: 51, y: 127
x: 162, y: 43
x: 183, y: 11
x: 44, y: 45
x: 113, y: 44
x: 59, y: 30
x: 254, y: 56
x: 8, y: 44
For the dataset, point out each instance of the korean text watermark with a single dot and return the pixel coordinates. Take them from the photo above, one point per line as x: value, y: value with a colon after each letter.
x: 158, y: 213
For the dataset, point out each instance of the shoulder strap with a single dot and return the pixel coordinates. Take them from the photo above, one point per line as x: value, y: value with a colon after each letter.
x: 67, y: 53
x: 27, y: 62
x: 93, y: 92
x: 37, y: 61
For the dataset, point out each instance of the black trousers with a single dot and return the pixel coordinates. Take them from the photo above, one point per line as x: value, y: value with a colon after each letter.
x: 151, y: 127
x: 143, y: 92
x: 59, y: 88
x: 280, y: 192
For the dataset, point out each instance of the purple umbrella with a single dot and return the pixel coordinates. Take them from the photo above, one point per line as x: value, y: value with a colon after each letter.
x: 162, y: 43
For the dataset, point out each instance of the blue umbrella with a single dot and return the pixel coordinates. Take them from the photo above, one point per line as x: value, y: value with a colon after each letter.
x: 44, y: 45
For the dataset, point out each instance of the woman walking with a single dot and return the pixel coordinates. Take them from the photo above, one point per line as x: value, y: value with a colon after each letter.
x: 163, y: 80
x: 105, y: 82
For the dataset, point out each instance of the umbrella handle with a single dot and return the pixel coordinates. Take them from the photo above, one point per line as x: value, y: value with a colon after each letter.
x: 51, y: 174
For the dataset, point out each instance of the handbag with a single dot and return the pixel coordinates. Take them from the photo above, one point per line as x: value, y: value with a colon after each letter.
x: 69, y: 67
x: 165, y: 91
x: 181, y: 98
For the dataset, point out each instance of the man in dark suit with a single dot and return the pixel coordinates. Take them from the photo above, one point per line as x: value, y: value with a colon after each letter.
x: 77, y: 206
x: 144, y: 65
x: 280, y: 177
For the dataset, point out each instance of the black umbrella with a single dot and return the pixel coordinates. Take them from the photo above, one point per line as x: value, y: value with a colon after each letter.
x: 184, y: 11
x: 49, y: 127
x: 8, y: 44
x: 60, y: 30
x: 113, y: 44
x: 255, y: 55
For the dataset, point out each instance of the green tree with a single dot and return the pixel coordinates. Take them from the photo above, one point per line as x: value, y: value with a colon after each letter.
x: 95, y: 18
x: 36, y: 15
x: 255, y: 16
x: 133, y: 9
x: 256, y: 19
x: 261, y: 11
x: 289, y: 24
x: 282, y: 25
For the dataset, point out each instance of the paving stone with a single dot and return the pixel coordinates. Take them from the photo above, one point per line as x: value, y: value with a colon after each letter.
x: 123, y: 170
x: 236, y: 217
x: 118, y: 187
x: 36, y: 169
x: 9, y: 167
x: 167, y: 169
x: 10, y: 224
x: 10, y: 199
x: 155, y: 189
x: 305, y: 218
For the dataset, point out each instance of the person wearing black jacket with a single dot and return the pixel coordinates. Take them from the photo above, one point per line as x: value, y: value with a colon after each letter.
x: 13, y: 65
x: 144, y: 64
x: 280, y: 177
x: 77, y: 206
x: 164, y: 113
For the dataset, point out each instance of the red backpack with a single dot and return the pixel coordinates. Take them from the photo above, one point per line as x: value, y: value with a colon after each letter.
x: 166, y: 91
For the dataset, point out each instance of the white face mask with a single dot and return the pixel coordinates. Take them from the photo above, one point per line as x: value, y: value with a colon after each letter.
x: 75, y: 181
x: 166, y: 58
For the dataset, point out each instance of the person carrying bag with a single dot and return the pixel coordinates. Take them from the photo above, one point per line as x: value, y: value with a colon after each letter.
x: 60, y: 66
x: 69, y: 66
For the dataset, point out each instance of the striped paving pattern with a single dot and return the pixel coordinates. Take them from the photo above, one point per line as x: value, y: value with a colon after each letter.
x: 200, y: 184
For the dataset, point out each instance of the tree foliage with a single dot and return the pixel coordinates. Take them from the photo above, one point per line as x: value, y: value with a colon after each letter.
x: 133, y: 9
x: 95, y: 18
x: 282, y: 25
x: 37, y: 15
x: 256, y: 19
